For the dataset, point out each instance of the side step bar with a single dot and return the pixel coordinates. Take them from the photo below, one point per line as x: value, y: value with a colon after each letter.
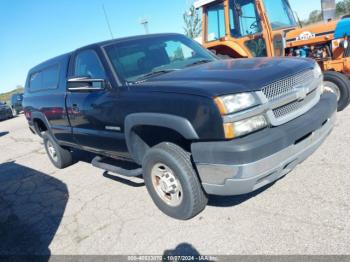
x: 98, y: 162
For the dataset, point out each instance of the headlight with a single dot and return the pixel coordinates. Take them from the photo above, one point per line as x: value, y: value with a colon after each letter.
x: 234, y: 103
x: 317, y: 71
x: 244, y: 127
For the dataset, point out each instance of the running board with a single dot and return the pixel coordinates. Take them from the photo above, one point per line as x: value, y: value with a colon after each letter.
x: 98, y: 162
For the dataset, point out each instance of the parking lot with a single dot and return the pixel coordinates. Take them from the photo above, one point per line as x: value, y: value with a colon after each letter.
x: 81, y: 210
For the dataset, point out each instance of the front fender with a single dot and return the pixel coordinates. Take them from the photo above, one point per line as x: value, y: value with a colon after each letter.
x: 179, y: 124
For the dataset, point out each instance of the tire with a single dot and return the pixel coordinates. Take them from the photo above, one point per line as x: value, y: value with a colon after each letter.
x: 10, y: 116
x: 61, y: 158
x: 191, y: 198
x: 339, y: 84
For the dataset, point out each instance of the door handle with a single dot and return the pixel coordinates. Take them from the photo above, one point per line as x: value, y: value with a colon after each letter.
x: 75, y: 108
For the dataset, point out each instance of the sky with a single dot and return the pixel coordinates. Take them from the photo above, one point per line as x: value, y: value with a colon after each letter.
x: 32, y: 31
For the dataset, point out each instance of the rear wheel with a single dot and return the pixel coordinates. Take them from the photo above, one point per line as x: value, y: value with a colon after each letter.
x: 59, y: 156
x: 172, y: 181
x: 338, y: 84
x: 10, y: 115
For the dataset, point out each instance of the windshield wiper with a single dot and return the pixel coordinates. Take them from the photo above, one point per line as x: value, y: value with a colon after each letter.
x: 203, y: 61
x: 154, y: 73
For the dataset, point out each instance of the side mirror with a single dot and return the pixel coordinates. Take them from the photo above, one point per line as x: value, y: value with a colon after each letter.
x: 86, y: 84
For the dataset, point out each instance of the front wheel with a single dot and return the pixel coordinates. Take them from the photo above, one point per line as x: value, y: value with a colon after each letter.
x: 338, y: 84
x: 172, y: 181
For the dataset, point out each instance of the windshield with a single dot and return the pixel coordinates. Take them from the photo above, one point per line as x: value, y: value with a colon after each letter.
x: 138, y: 59
x: 280, y: 14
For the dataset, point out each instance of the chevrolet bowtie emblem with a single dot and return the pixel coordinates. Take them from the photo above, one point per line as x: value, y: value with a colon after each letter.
x: 301, y: 94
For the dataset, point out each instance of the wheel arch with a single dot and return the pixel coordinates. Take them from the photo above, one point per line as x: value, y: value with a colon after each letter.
x: 167, y: 128
x: 40, y: 123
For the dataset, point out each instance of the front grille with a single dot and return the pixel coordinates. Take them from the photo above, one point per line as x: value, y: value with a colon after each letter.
x: 287, y: 85
x: 293, y: 106
x: 291, y: 89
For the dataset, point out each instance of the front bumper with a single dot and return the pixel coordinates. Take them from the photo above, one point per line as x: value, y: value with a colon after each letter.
x: 244, y: 165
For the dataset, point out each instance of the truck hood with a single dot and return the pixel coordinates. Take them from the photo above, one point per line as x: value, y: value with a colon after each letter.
x: 223, y: 77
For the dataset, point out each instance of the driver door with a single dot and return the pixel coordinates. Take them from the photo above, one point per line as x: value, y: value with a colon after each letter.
x: 92, y: 104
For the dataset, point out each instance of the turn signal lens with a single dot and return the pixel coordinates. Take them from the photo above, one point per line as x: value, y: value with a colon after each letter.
x: 229, y: 132
x: 220, y: 104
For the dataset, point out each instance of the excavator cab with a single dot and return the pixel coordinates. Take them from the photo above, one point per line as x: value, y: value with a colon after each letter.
x: 246, y: 28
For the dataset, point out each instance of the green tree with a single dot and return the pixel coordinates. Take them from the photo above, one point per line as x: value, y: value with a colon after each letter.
x: 193, y: 26
x: 343, y: 8
x: 314, y: 17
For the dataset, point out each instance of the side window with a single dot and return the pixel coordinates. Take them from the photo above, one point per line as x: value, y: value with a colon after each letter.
x: 87, y: 64
x: 244, y: 18
x: 47, y: 78
x: 249, y: 20
x: 50, y: 77
x: 257, y: 46
x: 233, y: 22
x: 279, y: 13
x: 216, y: 22
x: 35, y: 82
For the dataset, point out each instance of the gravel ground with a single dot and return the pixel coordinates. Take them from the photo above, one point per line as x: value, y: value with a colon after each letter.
x: 81, y: 210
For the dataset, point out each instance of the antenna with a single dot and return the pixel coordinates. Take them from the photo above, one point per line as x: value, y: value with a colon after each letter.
x: 107, y: 21
x: 144, y: 22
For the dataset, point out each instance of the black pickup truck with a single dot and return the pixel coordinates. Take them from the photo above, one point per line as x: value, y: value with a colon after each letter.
x: 193, y: 125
